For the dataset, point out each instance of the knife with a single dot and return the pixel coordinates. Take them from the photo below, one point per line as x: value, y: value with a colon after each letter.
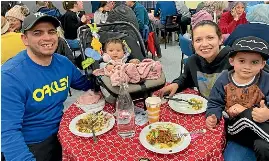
x: 178, y: 99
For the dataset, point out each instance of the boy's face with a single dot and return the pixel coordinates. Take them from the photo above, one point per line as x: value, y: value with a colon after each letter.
x: 247, y: 64
x: 115, y: 51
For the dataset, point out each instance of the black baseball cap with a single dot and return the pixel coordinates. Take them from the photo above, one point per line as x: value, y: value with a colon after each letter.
x: 32, y: 19
x: 251, y: 44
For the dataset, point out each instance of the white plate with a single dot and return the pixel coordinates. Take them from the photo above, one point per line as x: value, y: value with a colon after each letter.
x: 184, y: 107
x: 73, y: 129
x: 183, y: 144
x: 99, y: 106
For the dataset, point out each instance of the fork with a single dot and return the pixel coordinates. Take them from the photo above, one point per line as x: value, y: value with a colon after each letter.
x: 178, y: 99
x: 93, y: 132
x: 200, y: 131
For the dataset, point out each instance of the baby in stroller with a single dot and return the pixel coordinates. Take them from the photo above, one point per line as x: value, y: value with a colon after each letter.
x: 117, y: 51
x: 120, y: 66
x: 143, y: 85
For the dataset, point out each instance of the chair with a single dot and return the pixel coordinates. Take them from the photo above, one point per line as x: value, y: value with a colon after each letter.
x: 186, y: 49
x: 171, y: 25
x: 192, y: 11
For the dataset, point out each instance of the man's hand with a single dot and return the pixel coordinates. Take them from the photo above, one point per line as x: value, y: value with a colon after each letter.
x: 235, y: 110
x: 171, y: 89
x: 211, y: 122
x: 260, y: 114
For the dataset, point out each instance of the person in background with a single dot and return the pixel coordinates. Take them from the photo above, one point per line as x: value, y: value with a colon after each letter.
x: 163, y: 9
x: 35, y: 84
x: 101, y: 14
x: 186, y: 15
x: 231, y: 19
x: 140, y: 13
x: 203, y: 68
x: 48, y: 8
x: 95, y: 6
x: 243, y: 94
x: 200, y: 6
x: 71, y: 22
x: 121, y: 13
x: 250, y: 4
x: 15, y: 16
x: 7, y: 38
x: 6, y: 6
x: 258, y: 25
x: 215, y: 8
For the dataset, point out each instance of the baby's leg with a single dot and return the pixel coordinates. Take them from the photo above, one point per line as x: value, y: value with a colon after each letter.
x: 261, y: 148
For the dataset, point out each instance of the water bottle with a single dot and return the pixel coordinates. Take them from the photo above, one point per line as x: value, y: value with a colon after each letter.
x: 125, y: 113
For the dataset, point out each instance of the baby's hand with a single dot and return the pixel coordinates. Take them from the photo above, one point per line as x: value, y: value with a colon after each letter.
x: 211, y: 122
x: 134, y: 61
x: 109, y: 67
x: 260, y: 114
x: 235, y: 110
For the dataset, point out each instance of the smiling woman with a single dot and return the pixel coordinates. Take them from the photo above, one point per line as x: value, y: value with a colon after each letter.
x: 203, y: 68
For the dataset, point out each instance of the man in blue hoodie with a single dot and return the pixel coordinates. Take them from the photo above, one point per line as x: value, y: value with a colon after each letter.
x: 163, y: 9
x: 140, y: 13
x: 35, y: 84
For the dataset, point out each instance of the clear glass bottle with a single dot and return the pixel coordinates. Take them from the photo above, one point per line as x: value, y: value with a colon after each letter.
x: 125, y: 113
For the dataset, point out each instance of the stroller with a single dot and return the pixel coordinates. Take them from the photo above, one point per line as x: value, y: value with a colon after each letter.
x: 137, y: 91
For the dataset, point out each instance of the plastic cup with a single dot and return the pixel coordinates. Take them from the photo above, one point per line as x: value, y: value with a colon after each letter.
x: 153, y: 119
x: 153, y: 105
x: 155, y: 113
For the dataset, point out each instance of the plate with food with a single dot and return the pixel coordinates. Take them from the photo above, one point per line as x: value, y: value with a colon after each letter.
x: 164, y: 138
x: 191, y: 104
x: 101, y: 122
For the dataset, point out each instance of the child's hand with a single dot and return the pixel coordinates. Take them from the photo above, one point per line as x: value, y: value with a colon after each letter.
x: 134, y: 61
x: 260, y: 114
x: 235, y: 110
x: 109, y: 67
x: 211, y: 122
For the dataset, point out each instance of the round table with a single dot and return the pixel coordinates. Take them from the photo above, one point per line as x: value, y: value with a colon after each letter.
x: 111, y: 147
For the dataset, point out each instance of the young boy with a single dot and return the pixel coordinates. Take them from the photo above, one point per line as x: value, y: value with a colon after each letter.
x: 243, y: 93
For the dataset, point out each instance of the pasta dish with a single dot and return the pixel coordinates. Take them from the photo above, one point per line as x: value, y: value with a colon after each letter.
x: 197, y: 103
x: 98, y: 122
x: 163, y: 136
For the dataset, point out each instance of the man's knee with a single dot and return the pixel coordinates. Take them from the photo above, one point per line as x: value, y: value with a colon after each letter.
x: 261, y: 148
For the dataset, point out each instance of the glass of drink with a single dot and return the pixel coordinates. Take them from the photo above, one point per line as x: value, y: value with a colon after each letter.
x: 153, y: 105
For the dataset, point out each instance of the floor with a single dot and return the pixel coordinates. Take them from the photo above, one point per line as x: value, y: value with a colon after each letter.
x: 171, y: 58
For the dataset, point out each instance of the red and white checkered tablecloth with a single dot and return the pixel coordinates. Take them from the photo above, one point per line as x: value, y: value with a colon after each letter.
x: 111, y: 147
